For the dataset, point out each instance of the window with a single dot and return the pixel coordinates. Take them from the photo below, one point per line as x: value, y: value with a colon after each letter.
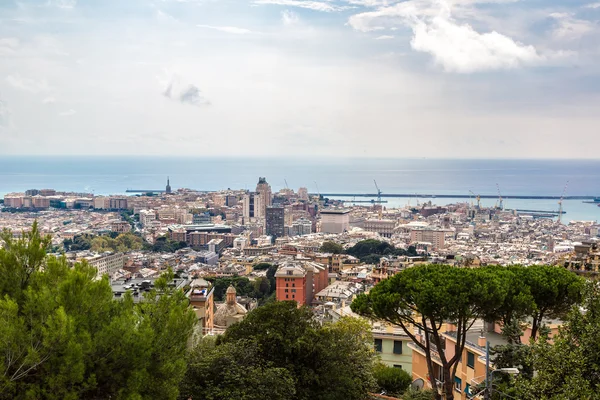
x: 287, y: 285
x: 378, y: 344
x: 397, y: 366
x: 470, y: 359
x: 468, y: 390
x: 293, y: 290
x: 286, y: 290
x: 397, y: 347
x: 287, y: 296
x: 293, y: 285
x: 457, y: 384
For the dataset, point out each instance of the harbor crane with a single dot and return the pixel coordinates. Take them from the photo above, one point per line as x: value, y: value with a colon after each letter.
x: 318, y: 191
x: 478, y: 198
x: 286, y: 184
x: 378, y: 192
x: 560, y: 202
x: 499, y: 204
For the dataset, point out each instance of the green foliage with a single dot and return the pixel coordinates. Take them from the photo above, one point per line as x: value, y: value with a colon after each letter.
x: 261, y: 266
x: 111, y: 242
x: 62, y: 336
x: 393, y: 381
x: 439, y: 293
x: 233, y: 371
x: 165, y: 245
x: 371, y: 250
x: 287, y: 337
x: 331, y: 247
x: 569, y: 368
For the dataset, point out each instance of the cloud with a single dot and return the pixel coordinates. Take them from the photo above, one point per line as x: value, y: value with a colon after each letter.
x: 192, y: 95
x: 311, y: 5
x: 184, y: 93
x: 5, y: 115
x: 67, y: 4
x: 457, y: 47
x: 27, y: 84
x: 570, y: 28
x: 592, y: 5
x: 227, y: 29
x: 384, y: 37
x: 289, y: 18
x: 8, y: 46
x: 67, y: 113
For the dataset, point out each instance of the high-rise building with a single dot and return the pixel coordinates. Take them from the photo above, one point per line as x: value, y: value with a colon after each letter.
x: 253, y: 207
x: 263, y: 189
x: 303, y: 193
x: 168, y: 188
x: 275, y: 221
x: 433, y: 236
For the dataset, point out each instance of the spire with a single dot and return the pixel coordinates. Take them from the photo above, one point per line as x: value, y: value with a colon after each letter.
x: 168, y: 188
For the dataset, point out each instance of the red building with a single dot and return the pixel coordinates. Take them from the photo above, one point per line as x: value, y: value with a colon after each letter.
x: 300, y: 281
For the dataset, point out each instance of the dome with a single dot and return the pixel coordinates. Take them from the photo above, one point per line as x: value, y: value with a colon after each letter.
x: 227, y: 314
x: 231, y: 289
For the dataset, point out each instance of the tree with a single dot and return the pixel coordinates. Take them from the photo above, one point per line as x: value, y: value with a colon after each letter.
x: 426, y: 297
x: 63, y: 336
x: 569, y: 368
x: 329, y: 362
x: 393, y: 381
x: 262, y: 266
x: 233, y: 371
x: 331, y: 247
x: 411, y: 394
x: 554, y: 290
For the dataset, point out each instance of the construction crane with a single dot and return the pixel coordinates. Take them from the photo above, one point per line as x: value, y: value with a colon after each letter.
x: 499, y: 205
x: 478, y: 198
x: 318, y: 191
x: 378, y: 192
x: 286, y: 184
x: 560, y: 202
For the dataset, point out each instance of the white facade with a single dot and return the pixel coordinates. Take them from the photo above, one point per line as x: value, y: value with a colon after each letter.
x: 335, y: 221
x: 107, y: 263
x: 146, y: 217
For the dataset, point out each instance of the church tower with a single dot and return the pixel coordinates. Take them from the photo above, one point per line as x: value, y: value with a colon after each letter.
x: 168, y: 188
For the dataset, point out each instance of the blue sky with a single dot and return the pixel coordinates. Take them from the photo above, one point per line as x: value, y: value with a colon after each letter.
x: 425, y: 78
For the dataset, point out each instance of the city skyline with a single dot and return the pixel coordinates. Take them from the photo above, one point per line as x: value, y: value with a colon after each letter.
x: 354, y: 78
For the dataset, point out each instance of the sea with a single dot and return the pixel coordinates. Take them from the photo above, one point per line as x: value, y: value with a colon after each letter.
x: 103, y: 175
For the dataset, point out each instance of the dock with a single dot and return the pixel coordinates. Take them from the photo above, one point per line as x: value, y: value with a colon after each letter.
x: 454, y: 196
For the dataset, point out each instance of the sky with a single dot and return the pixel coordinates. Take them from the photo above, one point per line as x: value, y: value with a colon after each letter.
x: 324, y: 78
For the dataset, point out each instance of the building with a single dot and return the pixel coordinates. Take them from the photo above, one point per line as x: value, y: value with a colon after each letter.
x: 301, y: 227
x: 120, y: 227
x: 300, y: 281
x: 106, y: 263
x: 229, y: 312
x: 253, y: 207
x: 384, y: 227
x: 335, y: 220
x: 274, y: 221
x: 202, y: 302
x: 117, y: 203
x: 146, y: 217
x: 433, y: 236
x: 201, y: 218
x: 168, y: 187
x: 263, y: 189
x: 303, y: 193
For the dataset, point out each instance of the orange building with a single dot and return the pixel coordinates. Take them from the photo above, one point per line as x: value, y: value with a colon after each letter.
x: 202, y: 301
x: 300, y: 281
x: 471, y: 367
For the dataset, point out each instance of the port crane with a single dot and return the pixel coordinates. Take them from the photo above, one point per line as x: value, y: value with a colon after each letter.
x: 478, y: 198
x: 499, y: 204
x: 286, y: 184
x: 560, y: 202
x: 378, y: 192
x: 318, y: 191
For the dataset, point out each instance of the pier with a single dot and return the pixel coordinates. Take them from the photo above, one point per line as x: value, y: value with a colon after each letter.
x: 454, y: 196
x: 144, y: 191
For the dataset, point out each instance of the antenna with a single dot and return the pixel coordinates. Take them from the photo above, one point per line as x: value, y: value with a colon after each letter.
x: 417, y: 384
x: 560, y: 202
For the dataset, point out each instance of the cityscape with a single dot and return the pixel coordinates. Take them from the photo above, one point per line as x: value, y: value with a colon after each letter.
x: 319, y: 252
x: 299, y: 200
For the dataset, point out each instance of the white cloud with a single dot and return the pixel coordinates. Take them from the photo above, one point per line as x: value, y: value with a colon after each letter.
x: 311, y: 5
x: 384, y: 37
x: 455, y: 46
x: 5, y: 115
x: 570, y: 28
x: 592, y: 5
x: 27, y: 84
x: 289, y: 18
x: 185, y: 93
x: 67, y: 113
x: 67, y: 4
x: 8, y: 46
x: 227, y: 29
